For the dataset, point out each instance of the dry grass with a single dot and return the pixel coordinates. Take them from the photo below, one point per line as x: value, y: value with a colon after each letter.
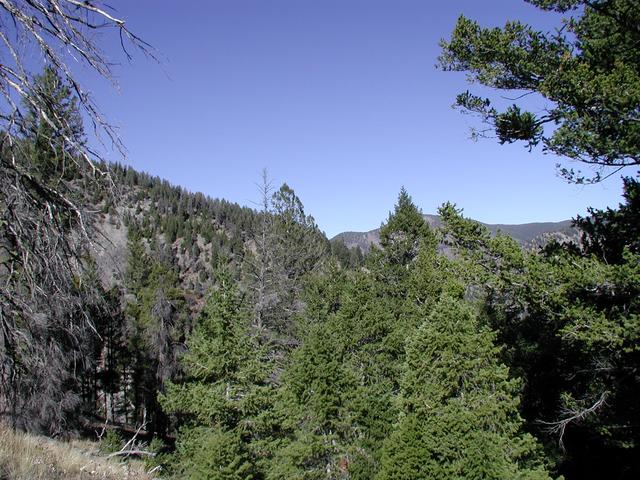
x: 29, y: 457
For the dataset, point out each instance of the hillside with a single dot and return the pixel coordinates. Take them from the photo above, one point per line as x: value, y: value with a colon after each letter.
x: 191, y: 231
x: 158, y: 252
x: 188, y: 231
x: 202, y: 311
x: 526, y: 234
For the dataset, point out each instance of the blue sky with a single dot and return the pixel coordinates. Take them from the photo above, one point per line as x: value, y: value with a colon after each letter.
x: 339, y: 98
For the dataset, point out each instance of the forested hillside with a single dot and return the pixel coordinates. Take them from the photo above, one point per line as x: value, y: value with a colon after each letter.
x: 236, y: 337
x: 156, y: 252
x: 213, y: 341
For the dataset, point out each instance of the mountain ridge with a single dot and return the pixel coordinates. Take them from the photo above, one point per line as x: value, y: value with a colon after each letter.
x: 529, y: 235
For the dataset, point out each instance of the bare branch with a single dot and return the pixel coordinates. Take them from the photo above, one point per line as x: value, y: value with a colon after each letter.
x: 130, y: 448
x: 45, y: 227
x: 131, y: 452
x: 560, y: 426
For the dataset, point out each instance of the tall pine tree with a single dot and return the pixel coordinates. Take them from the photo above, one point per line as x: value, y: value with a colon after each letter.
x: 459, y: 407
x: 223, y: 394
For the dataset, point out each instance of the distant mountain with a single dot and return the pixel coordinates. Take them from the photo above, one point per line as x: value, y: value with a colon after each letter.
x: 528, y: 235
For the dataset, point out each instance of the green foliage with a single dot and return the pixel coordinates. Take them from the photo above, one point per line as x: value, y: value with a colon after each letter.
x: 338, y: 394
x: 223, y: 392
x: 111, y: 441
x: 608, y: 234
x: 405, y: 229
x: 160, y: 458
x: 212, y: 453
x: 305, y: 366
x: 348, y: 257
x: 157, y: 320
x: 402, y: 237
x: 300, y: 244
x: 289, y: 247
x: 336, y: 398
x: 589, y: 70
x: 139, y: 263
x: 459, y: 407
x: 188, y: 224
x: 569, y: 322
x: 54, y: 127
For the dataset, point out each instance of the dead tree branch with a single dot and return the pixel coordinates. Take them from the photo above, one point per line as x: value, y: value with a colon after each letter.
x: 45, y: 226
x: 574, y: 416
x: 131, y: 448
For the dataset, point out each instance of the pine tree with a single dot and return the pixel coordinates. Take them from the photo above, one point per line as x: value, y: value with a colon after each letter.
x: 224, y: 391
x: 289, y: 247
x: 311, y: 406
x: 54, y: 127
x: 568, y: 318
x: 300, y: 243
x: 607, y: 234
x: 157, y: 319
x: 213, y: 453
x: 587, y: 71
x: 405, y: 229
x: 459, y: 407
x: 298, y: 249
x: 339, y: 388
x: 401, y: 238
x: 337, y: 393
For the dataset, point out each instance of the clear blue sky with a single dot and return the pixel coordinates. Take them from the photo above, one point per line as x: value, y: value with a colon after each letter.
x: 339, y: 98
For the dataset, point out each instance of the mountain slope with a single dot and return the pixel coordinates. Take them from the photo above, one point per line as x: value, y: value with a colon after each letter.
x: 526, y: 234
x: 189, y: 232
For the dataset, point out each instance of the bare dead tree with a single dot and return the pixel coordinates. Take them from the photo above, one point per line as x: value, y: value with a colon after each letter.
x: 261, y: 263
x: 45, y: 227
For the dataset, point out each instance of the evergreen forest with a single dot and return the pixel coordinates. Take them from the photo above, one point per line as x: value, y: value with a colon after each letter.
x: 208, y: 340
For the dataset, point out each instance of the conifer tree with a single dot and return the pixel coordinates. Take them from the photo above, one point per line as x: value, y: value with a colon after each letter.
x: 53, y: 151
x: 289, y: 247
x: 337, y: 393
x: 223, y: 393
x: 568, y: 318
x: 588, y: 72
x: 400, y: 238
x: 311, y: 405
x: 298, y: 249
x: 405, y: 228
x: 301, y: 244
x: 459, y: 407
x: 156, y: 321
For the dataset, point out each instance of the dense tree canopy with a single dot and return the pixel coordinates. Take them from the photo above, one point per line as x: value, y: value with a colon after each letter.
x: 460, y: 408
x: 569, y: 321
x: 443, y: 353
x: 224, y: 390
